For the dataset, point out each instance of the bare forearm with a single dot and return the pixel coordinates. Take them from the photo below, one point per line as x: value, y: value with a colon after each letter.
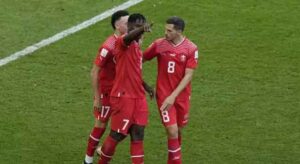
x: 136, y: 33
x: 133, y: 35
x: 95, y: 87
x: 146, y: 86
x: 95, y: 83
x: 183, y: 83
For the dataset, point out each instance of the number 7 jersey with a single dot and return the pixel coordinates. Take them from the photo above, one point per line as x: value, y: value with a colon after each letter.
x: 172, y: 60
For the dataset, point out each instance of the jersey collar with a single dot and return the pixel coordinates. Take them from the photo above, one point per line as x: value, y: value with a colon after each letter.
x: 176, y: 45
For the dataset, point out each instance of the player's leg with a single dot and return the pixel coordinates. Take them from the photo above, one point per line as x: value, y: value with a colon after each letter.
x: 180, y: 134
x: 120, y: 124
x: 137, y: 144
x: 175, y: 131
x: 183, y: 109
x: 101, y: 118
x: 109, y: 146
x: 104, y: 115
x: 95, y: 135
x: 174, y: 148
x: 140, y: 120
x: 169, y: 120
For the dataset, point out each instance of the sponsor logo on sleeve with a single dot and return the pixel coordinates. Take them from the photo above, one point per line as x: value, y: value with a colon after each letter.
x: 196, y: 54
x: 103, y: 52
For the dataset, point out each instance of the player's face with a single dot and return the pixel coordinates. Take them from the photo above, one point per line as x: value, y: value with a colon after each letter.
x: 121, y: 25
x: 171, y: 33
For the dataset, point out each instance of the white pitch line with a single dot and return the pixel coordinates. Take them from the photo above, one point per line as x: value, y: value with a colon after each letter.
x: 28, y: 50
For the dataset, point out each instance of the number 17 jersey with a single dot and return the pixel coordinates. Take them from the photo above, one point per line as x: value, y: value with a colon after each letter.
x: 172, y: 63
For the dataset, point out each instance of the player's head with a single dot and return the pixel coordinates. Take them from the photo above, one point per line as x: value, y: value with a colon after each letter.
x: 135, y: 20
x: 119, y: 21
x: 174, y: 27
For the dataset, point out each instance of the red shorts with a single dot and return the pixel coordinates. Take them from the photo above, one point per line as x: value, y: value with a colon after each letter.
x: 177, y: 114
x: 105, y: 111
x: 128, y: 111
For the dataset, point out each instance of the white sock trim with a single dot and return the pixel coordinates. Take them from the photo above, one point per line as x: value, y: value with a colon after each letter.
x: 137, y: 156
x: 95, y: 139
x: 105, y: 155
x: 174, y: 151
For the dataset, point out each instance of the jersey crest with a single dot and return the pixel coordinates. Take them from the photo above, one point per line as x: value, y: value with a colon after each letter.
x: 182, y: 57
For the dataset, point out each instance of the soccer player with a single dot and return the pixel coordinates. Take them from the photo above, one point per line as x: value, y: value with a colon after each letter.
x: 177, y: 58
x: 103, y: 74
x: 128, y: 101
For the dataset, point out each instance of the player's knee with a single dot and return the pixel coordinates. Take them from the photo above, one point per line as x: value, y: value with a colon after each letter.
x: 117, y: 136
x: 97, y: 123
x: 137, y: 133
x: 172, y: 131
x: 100, y: 124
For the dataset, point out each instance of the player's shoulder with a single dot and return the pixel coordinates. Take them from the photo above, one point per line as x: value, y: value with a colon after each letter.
x: 190, y: 44
x: 160, y: 41
x: 110, y: 42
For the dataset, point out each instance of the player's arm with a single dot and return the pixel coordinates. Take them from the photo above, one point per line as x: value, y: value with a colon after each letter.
x: 169, y: 101
x: 95, y: 85
x: 136, y: 33
x: 149, y: 90
x: 150, y: 52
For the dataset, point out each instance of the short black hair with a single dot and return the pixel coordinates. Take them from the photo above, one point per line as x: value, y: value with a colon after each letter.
x: 136, y: 16
x: 177, y: 22
x: 116, y: 16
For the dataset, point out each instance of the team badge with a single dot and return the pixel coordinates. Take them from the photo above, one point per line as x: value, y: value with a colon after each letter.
x: 182, y: 58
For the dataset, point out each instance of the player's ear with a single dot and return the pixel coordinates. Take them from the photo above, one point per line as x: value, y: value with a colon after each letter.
x: 116, y: 26
x: 178, y: 31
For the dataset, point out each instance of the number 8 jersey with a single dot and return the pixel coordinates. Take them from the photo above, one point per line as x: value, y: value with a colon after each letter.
x: 172, y: 62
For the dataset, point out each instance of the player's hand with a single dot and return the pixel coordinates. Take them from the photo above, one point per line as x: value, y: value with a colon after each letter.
x: 151, y: 92
x: 147, y: 27
x: 97, y: 105
x: 169, y: 101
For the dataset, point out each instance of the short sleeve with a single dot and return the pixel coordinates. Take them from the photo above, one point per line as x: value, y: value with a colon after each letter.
x: 192, y: 61
x: 102, y: 56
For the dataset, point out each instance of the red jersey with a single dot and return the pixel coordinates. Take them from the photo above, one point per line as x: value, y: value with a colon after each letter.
x: 128, y: 81
x: 105, y: 60
x: 172, y: 62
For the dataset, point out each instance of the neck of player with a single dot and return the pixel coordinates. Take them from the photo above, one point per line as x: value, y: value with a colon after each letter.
x: 178, y: 40
x: 117, y: 33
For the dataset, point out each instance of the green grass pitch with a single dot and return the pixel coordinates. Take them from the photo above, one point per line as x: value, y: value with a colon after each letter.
x: 246, y: 90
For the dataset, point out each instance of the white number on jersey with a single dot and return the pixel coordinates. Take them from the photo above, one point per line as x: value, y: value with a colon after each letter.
x: 171, y: 67
x: 104, y: 111
x: 165, y: 116
x: 126, y: 121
